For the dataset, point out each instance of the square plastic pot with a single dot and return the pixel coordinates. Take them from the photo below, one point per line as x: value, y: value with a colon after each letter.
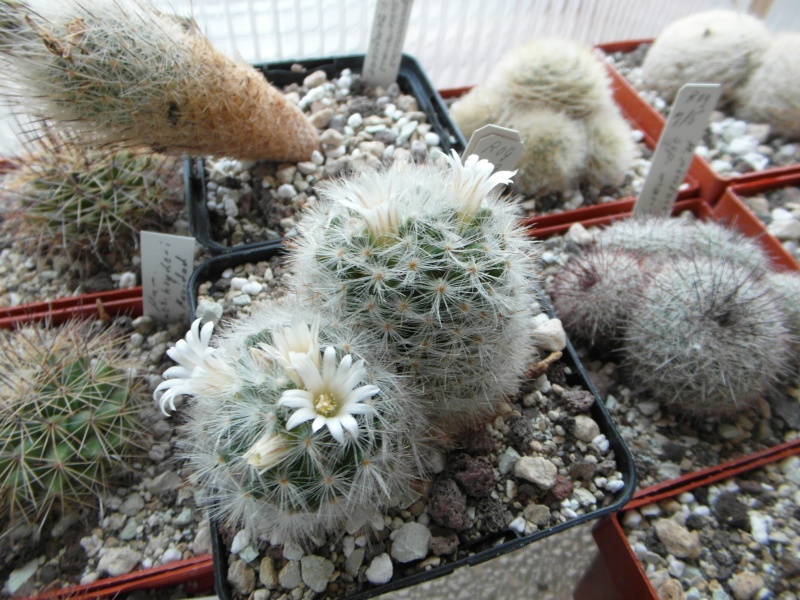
x: 411, y: 79
x: 487, y: 548
x: 712, y: 185
x: 616, y: 573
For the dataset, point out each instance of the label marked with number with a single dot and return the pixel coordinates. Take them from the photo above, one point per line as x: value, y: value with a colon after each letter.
x: 501, y: 146
x: 687, y: 121
x: 167, y: 264
x: 388, y: 33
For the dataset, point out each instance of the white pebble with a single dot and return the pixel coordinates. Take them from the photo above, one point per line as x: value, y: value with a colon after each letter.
x: 601, y: 443
x: 760, y: 526
x: 253, y: 288
x: 171, y: 555
x: 518, y: 525
x: 355, y: 120
x: 432, y: 139
x: 380, y: 570
x: 237, y: 283
x: 287, y: 191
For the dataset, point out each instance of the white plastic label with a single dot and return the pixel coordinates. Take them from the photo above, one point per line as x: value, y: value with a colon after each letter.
x: 167, y: 263
x: 386, y: 39
x: 687, y: 120
x: 501, y: 146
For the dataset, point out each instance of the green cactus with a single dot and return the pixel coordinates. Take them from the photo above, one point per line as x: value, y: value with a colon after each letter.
x: 127, y: 73
x: 89, y: 202
x: 69, y: 418
x: 290, y: 434
x: 429, y: 262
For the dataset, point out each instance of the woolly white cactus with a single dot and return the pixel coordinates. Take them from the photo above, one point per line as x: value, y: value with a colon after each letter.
x: 709, y: 47
x: 290, y: 434
x: 430, y: 263
x: 480, y: 106
x: 120, y: 71
x: 610, y: 149
x: 772, y: 93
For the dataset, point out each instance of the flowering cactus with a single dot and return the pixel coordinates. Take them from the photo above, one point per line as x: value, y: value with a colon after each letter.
x: 430, y: 263
x: 290, y: 433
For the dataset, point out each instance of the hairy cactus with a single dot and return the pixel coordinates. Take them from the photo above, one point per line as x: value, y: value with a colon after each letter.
x: 706, y: 336
x: 69, y: 418
x: 709, y: 47
x: 787, y: 286
x: 89, y: 202
x: 556, y: 93
x: 290, y: 433
x: 429, y: 262
x: 772, y: 93
x: 595, y: 292
x: 122, y: 72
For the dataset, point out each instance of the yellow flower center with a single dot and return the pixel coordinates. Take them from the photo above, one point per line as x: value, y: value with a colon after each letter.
x: 326, y: 405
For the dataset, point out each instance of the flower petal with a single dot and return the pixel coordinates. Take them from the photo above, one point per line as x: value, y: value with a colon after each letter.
x: 349, y: 423
x: 335, y: 427
x: 301, y: 415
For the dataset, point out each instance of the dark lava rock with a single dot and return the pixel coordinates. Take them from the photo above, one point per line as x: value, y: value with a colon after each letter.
x: 474, y: 474
x: 447, y: 505
x: 520, y: 433
x: 577, y: 401
x: 731, y: 512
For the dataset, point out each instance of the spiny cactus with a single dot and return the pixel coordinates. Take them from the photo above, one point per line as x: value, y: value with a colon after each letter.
x: 69, y: 418
x: 120, y: 71
x: 430, y: 262
x: 772, y: 93
x: 595, y: 291
x: 290, y: 434
x: 787, y: 286
x: 89, y: 202
x: 707, y: 336
x: 710, y: 47
x: 556, y: 93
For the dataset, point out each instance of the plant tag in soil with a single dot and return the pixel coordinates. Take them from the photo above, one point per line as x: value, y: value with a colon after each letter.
x: 167, y: 263
x: 499, y: 145
x: 687, y: 121
x: 385, y: 51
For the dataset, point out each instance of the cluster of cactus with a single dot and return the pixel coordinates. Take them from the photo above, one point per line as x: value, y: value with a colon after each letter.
x: 556, y: 93
x: 121, y: 71
x: 701, y: 321
x: 415, y: 295
x: 69, y: 420
x: 88, y: 203
x: 756, y: 70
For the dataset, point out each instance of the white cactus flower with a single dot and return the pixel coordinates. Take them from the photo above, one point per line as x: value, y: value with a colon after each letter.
x: 473, y: 179
x: 289, y: 342
x: 330, y: 396
x: 373, y: 200
x: 266, y: 452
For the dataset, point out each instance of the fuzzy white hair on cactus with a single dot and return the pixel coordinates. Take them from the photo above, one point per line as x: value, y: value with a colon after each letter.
x: 330, y: 397
x: 473, y: 180
x: 375, y: 202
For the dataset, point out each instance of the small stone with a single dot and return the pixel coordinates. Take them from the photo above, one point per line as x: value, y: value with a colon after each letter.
x: 538, y: 514
x: 208, y: 310
x: 648, y: 407
x: 578, y: 234
x: 678, y: 540
x: 252, y: 288
x: 561, y: 489
x: 671, y: 589
x: 447, y: 504
x: 745, y: 585
x: 202, y: 540
x: 380, y: 570
x: 293, y: 551
x: 537, y: 470
x: 331, y: 138
x: 321, y: 118
x: 316, y: 572
x: 171, y: 555
x: 475, y: 475
x: 355, y: 120
x: 411, y: 542
x: 287, y: 191
x: 442, y: 544
x: 354, y: 561
x: 307, y: 168
x: 267, y: 574
x: 586, y: 428
x: 168, y: 481
x: 130, y: 531
x: 289, y: 576
x: 577, y: 401
x: 242, y: 577
x: 132, y: 505
x: 432, y: 139
x: 240, y: 541
x: 785, y: 229
x: 507, y: 460
x: 119, y: 561
x: 550, y: 336
x: 315, y: 79
x: 20, y: 576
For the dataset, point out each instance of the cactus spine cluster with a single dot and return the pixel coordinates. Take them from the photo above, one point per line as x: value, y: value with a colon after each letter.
x: 121, y: 71
x: 69, y: 418
x: 430, y: 263
x: 545, y: 87
x: 290, y: 433
x: 702, y: 323
x: 88, y: 202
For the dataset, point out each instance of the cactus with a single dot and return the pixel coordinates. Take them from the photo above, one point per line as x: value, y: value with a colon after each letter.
x: 706, y: 336
x: 709, y: 47
x: 594, y: 293
x: 787, y: 286
x: 89, y: 202
x: 555, y: 150
x: 120, y: 71
x: 478, y: 107
x: 290, y: 433
x: 772, y: 93
x: 69, y: 418
x: 610, y: 150
x: 429, y: 262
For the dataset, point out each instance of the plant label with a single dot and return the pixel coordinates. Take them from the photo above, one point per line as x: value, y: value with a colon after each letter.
x: 687, y: 121
x: 167, y: 264
x: 501, y: 146
x: 385, y: 51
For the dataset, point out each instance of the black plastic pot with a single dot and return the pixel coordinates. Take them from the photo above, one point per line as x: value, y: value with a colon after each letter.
x: 411, y: 79
x: 485, y: 549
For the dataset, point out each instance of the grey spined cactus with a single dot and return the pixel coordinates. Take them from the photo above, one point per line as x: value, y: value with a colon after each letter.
x: 120, y: 71
x: 289, y: 433
x: 70, y: 418
x: 430, y: 262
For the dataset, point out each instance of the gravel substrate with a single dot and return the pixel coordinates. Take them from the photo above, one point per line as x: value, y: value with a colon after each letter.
x: 736, y: 539
x: 148, y: 518
x: 666, y: 444
x: 731, y: 146
x: 779, y: 210
x: 542, y: 461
